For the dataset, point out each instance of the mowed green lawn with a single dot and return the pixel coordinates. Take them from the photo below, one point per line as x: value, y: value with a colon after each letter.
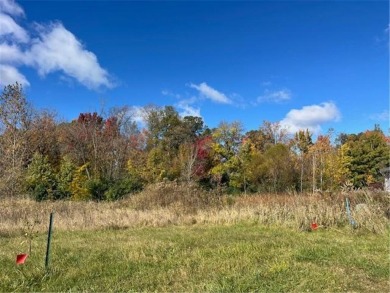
x: 242, y: 257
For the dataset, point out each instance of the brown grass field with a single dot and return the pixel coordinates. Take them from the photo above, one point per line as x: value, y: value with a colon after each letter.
x: 170, y: 204
x: 171, y: 238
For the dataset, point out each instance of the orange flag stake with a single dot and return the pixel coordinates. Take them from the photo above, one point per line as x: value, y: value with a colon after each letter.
x: 21, y: 258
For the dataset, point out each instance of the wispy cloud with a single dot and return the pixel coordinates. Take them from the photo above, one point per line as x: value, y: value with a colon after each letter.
x: 187, y: 109
x: 185, y: 106
x: 384, y: 37
x: 383, y: 116
x: 311, y: 117
x: 210, y: 93
x: 266, y: 83
x: 277, y: 96
x: 52, y: 49
x: 11, y: 54
x: 9, y: 74
x: 8, y: 27
x: 170, y: 94
x: 189, y: 105
x: 10, y: 7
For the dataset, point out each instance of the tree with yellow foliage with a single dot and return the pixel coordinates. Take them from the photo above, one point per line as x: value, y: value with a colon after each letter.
x: 78, y: 186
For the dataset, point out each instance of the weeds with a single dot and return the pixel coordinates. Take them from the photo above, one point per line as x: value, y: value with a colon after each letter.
x: 167, y: 204
x: 181, y: 198
x: 30, y: 232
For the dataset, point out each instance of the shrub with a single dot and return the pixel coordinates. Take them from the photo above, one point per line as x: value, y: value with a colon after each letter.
x: 97, y: 188
x: 122, y: 187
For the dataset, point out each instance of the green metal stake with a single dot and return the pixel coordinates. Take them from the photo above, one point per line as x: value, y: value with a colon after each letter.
x: 49, y: 241
x: 351, y: 220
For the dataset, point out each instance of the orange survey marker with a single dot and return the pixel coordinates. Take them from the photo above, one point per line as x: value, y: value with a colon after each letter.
x: 21, y: 258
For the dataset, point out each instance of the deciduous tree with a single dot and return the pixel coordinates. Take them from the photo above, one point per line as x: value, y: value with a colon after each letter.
x: 15, y: 118
x: 302, y: 143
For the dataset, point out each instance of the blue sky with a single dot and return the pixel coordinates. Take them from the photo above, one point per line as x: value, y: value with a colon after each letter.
x: 305, y: 64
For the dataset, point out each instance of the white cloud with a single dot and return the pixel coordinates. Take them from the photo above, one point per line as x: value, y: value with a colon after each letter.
x: 310, y: 117
x: 54, y: 49
x: 211, y: 93
x: 185, y: 106
x: 57, y: 49
x: 188, y: 109
x: 10, y: 75
x: 10, y: 7
x: 275, y: 96
x: 11, y: 54
x: 8, y: 27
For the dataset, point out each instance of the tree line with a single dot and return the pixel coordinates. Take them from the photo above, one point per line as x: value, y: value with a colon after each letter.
x: 104, y: 157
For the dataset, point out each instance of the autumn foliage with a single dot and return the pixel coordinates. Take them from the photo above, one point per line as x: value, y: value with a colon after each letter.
x: 105, y: 157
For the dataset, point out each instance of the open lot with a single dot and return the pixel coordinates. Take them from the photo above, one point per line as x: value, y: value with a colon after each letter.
x: 159, y: 242
x: 239, y: 257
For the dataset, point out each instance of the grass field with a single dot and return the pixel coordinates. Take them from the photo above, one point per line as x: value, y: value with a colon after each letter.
x: 231, y: 258
x: 168, y: 239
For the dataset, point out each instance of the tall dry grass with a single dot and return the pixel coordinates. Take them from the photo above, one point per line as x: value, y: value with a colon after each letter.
x: 173, y: 204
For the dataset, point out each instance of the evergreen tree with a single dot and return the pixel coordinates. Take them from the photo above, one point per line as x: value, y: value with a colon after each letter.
x: 65, y: 178
x: 40, y: 178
